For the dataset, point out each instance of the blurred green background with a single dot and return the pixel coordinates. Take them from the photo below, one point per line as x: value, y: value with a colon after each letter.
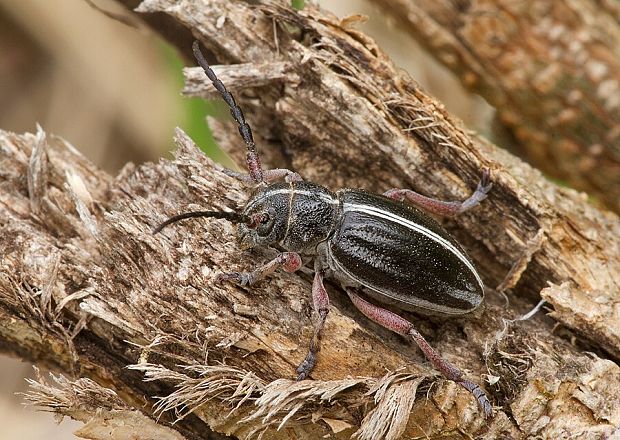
x: 193, y: 111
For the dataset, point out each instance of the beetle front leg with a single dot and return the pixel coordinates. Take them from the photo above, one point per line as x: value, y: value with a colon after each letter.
x: 269, y: 176
x: 320, y: 301
x: 397, y: 324
x: 289, y: 261
x: 440, y: 207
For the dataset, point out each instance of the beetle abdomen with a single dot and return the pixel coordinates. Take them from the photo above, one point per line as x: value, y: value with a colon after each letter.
x: 402, y: 256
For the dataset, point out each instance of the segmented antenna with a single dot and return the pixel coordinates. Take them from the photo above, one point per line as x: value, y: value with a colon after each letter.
x: 252, y: 159
x: 232, y: 217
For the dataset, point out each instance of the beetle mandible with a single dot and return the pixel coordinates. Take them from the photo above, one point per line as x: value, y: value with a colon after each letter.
x: 381, y: 250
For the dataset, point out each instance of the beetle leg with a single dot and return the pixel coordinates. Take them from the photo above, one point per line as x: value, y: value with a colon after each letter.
x: 289, y: 261
x: 440, y: 207
x: 269, y: 176
x: 393, y: 322
x: 320, y: 301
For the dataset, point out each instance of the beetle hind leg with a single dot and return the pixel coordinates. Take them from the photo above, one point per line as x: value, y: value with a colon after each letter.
x: 320, y: 301
x: 397, y: 324
x: 441, y: 207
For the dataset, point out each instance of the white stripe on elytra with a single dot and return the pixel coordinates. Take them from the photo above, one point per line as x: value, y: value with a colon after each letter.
x: 324, y: 197
x: 416, y: 227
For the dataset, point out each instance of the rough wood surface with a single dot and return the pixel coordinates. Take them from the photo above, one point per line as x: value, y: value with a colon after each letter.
x: 86, y: 288
x: 551, y: 69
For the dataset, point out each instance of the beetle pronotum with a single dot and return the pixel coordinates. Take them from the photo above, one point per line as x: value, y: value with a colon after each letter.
x: 414, y: 266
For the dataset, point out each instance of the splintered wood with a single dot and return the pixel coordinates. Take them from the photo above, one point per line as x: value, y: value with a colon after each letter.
x: 86, y: 288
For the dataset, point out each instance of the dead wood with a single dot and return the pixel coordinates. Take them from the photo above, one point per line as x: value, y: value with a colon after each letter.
x: 551, y: 69
x: 85, y: 287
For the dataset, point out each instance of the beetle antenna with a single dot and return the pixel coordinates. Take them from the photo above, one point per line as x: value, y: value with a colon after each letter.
x: 252, y: 159
x: 232, y: 217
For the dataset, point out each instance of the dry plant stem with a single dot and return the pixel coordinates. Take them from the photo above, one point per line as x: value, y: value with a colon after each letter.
x: 104, y: 414
x: 151, y: 301
x: 551, y: 69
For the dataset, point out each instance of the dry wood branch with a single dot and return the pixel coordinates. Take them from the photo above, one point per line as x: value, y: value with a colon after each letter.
x: 137, y: 288
x: 386, y: 133
x: 150, y: 301
x: 238, y: 77
x: 552, y: 70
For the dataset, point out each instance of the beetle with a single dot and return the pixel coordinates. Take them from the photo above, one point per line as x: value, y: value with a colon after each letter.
x: 382, y: 250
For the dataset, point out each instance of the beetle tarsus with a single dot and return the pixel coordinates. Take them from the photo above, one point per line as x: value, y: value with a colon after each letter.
x: 240, y: 278
x: 483, y: 188
x: 304, y: 369
x: 480, y: 396
x: 289, y: 261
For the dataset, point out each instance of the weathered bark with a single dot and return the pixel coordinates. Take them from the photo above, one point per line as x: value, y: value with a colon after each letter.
x: 86, y: 288
x: 551, y: 69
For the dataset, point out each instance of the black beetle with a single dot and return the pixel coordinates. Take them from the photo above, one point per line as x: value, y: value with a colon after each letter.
x: 375, y: 246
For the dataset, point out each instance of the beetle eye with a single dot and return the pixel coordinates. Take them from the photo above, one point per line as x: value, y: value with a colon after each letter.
x: 264, y: 224
x: 258, y: 220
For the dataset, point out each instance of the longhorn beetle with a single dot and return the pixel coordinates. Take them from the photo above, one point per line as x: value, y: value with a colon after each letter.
x: 382, y: 251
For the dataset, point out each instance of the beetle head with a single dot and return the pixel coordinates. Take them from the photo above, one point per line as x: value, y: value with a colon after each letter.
x: 268, y: 213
